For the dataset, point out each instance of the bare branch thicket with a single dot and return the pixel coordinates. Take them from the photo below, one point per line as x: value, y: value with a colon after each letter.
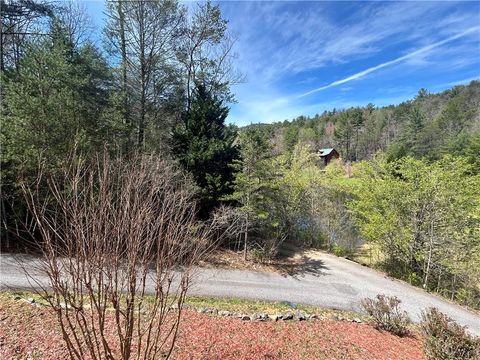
x: 112, y: 231
x: 228, y: 224
x: 76, y: 22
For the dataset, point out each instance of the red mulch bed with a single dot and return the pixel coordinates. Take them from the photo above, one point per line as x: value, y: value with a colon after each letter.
x: 28, y: 331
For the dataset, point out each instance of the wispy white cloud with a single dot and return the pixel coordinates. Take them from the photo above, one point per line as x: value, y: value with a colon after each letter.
x: 284, y: 48
x: 275, y: 39
x: 400, y: 59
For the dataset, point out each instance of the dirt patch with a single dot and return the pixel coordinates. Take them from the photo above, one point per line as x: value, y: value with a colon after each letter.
x: 290, y: 262
x: 28, y: 331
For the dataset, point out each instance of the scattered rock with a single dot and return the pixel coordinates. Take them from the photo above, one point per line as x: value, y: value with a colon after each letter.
x: 275, y: 317
x: 264, y: 317
x: 65, y: 306
x: 260, y: 317
x: 31, y: 301
x: 300, y: 316
x: 17, y: 297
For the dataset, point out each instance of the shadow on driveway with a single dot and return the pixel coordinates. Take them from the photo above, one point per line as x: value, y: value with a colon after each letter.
x: 303, y: 266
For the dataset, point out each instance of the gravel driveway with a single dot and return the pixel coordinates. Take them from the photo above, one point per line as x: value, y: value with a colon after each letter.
x: 326, y: 281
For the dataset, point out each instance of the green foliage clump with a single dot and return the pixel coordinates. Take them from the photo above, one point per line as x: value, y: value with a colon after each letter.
x: 204, y: 146
x: 425, y: 217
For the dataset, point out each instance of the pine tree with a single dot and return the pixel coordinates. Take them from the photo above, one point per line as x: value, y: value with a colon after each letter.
x: 250, y: 177
x: 204, y: 146
x: 343, y: 134
x: 55, y: 100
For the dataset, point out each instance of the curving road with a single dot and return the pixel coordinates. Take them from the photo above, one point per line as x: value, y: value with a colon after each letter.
x: 325, y: 281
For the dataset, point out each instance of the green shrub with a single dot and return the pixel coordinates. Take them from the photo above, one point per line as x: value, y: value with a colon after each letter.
x: 447, y: 340
x: 342, y: 251
x: 386, y: 314
x: 257, y: 255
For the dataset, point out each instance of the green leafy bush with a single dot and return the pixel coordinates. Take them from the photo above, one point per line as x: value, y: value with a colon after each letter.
x: 342, y: 251
x: 386, y: 314
x: 447, y: 340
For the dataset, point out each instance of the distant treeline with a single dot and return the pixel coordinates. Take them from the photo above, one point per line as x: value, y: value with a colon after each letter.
x: 428, y: 126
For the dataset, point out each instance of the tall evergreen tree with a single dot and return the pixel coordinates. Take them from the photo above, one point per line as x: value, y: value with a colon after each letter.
x: 204, y: 145
x: 56, y: 99
x: 252, y: 172
x: 344, y: 133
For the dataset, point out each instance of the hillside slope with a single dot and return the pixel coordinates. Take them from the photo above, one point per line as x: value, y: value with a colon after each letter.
x: 430, y: 125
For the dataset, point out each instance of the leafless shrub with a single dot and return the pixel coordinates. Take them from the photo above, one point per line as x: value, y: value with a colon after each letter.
x: 445, y: 339
x: 228, y: 222
x: 112, y: 231
x: 386, y: 313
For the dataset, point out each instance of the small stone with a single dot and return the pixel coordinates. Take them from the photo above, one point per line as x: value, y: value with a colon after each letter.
x: 313, y: 317
x: 263, y: 317
x: 224, y: 313
x: 287, y: 316
x: 245, y: 318
x: 65, y: 306
x: 201, y: 310
x: 31, y: 300
x: 357, y: 320
x: 275, y: 317
x: 17, y: 297
x: 300, y: 316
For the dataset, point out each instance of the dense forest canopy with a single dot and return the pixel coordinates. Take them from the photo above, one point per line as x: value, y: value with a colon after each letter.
x: 162, y: 74
x: 430, y: 126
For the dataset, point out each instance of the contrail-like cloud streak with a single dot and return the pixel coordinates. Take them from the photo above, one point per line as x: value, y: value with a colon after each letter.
x: 391, y: 62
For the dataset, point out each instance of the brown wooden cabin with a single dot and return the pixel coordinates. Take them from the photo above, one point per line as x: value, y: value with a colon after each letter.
x: 328, y: 155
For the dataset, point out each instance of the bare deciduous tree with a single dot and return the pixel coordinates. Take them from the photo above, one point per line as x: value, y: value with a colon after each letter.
x: 118, y: 239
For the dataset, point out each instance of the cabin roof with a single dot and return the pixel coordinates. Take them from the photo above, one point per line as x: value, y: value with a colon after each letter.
x: 325, y: 152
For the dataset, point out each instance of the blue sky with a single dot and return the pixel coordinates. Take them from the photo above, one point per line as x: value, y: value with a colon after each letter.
x: 301, y: 58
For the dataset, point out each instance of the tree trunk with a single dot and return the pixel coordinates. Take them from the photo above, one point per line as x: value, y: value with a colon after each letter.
x: 429, y: 259
x: 123, y: 49
x: 143, y: 77
x: 245, y: 240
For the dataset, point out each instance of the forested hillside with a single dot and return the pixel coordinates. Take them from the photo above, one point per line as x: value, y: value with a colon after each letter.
x: 404, y: 196
x: 430, y: 126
